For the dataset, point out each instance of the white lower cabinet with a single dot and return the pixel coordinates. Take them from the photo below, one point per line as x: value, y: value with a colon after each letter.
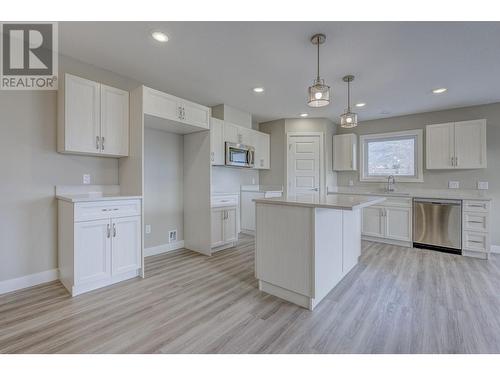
x: 389, y: 222
x: 476, y: 237
x: 224, y: 227
x: 99, y: 251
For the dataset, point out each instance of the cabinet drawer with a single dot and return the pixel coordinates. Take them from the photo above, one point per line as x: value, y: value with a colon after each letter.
x: 397, y: 202
x: 476, y: 221
x: 101, y: 210
x: 476, y: 206
x: 225, y: 200
x: 475, y: 241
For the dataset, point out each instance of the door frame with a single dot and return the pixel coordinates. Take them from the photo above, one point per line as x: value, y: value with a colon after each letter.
x: 322, y: 170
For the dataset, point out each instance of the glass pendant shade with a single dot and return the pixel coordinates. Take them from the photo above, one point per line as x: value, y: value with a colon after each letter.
x: 348, y: 120
x: 318, y: 94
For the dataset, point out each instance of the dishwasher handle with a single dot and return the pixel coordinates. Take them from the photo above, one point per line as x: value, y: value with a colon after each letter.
x: 438, y: 201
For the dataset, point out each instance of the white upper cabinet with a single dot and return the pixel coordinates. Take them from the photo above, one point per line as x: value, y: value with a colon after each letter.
x: 344, y: 152
x: 114, y: 121
x: 456, y: 145
x: 470, y: 144
x: 93, y: 118
x: 262, y: 150
x: 238, y: 134
x: 185, y: 116
x: 216, y: 141
x: 440, y: 146
x: 79, y: 127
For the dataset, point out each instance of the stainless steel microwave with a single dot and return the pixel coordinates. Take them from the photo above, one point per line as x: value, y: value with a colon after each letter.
x: 238, y: 155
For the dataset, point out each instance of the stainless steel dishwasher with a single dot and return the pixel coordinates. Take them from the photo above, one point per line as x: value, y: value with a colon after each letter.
x: 437, y: 224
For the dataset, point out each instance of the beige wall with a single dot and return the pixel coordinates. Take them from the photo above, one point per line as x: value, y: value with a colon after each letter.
x: 163, y: 185
x: 439, y: 179
x: 30, y: 168
x: 277, y: 130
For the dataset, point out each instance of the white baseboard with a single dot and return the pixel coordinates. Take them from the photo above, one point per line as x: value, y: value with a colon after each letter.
x: 155, y: 250
x: 495, y: 249
x: 22, y: 282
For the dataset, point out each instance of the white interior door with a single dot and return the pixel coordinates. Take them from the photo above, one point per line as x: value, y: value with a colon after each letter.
x: 304, y: 170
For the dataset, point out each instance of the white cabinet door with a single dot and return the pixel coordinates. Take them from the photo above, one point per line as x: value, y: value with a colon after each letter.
x: 81, y: 115
x: 231, y: 133
x: 114, y: 121
x: 195, y: 114
x: 262, y: 150
x: 162, y: 105
x: 92, y: 251
x: 344, y: 152
x: 126, y: 244
x: 440, y: 146
x: 398, y: 223
x: 217, y: 141
x: 230, y: 231
x: 470, y: 144
x: 372, y: 222
x: 217, y: 227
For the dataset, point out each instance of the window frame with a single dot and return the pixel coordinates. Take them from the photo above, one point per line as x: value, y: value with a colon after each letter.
x: 419, y: 148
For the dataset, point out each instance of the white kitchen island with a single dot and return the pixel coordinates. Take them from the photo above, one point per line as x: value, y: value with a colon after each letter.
x: 305, y: 247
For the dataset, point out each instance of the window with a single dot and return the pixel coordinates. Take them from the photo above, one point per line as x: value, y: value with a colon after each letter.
x: 398, y: 154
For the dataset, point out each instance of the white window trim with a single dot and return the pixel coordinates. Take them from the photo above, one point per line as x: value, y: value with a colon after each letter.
x: 419, y: 157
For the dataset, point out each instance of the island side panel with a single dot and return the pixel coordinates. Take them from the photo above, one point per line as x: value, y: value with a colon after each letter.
x: 351, y: 239
x: 284, y: 248
x: 328, y: 251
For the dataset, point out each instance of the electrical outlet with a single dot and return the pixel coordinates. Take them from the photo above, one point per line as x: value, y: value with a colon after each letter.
x: 148, y: 228
x: 172, y: 236
x: 453, y: 185
x: 482, y: 185
x: 86, y: 179
x: 351, y: 183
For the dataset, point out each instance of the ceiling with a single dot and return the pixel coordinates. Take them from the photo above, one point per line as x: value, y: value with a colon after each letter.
x: 396, y: 64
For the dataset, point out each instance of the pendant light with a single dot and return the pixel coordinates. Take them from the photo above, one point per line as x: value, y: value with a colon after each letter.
x: 318, y: 93
x: 348, y: 119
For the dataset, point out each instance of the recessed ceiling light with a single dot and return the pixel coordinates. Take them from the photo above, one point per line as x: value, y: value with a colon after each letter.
x: 258, y: 89
x: 360, y: 104
x: 440, y: 90
x: 159, y: 36
x: 304, y: 114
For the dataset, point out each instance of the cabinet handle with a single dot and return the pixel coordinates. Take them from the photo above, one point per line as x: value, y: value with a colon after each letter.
x: 102, y: 143
x: 108, y: 231
x: 452, y: 161
x: 114, y: 230
x: 183, y: 113
x: 97, y: 142
x: 474, y: 221
x: 474, y: 241
x: 456, y: 161
x: 477, y: 205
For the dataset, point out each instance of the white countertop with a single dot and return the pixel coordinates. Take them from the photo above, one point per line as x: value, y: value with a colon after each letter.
x: 416, y: 193
x: 333, y: 201
x: 90, y: 197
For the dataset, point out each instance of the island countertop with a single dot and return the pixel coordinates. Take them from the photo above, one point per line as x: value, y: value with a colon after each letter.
x: 338, y: 202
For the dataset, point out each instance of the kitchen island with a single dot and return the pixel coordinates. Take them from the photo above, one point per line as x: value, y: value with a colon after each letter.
x: 305, y: 246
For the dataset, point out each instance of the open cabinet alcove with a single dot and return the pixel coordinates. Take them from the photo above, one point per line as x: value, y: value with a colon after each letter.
x: 151, y: 109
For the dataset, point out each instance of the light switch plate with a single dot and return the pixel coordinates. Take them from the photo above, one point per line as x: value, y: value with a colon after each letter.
x: 148, y: 228
x: 482, y: 185
x: 453, y: 185
x: 86, y: 179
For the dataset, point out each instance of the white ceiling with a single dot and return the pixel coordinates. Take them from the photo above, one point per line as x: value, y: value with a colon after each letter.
x: 396, y: 64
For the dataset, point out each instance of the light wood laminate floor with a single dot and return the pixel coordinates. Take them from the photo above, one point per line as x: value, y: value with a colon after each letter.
x: 397, y: 300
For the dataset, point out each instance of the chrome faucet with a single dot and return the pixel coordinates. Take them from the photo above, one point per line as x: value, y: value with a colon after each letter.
x: 390, y: 183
